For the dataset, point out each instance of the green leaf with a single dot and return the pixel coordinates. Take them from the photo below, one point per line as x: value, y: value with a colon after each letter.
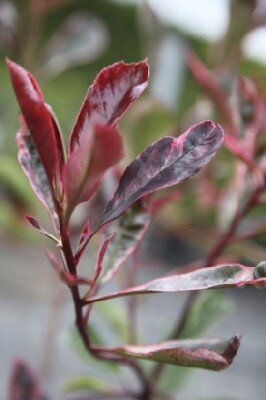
x: 207, y: 309
x: 85, y: 383
x: 129, y: 232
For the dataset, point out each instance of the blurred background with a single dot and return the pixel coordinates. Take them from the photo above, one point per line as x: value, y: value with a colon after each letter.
x: 65, y: 43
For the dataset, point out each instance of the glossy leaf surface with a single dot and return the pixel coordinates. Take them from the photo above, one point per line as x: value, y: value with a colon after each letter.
x: 164, y: 163
x: 208, y: 354
x: 101, y: 149
x: 39, y: 119
x: 110, y: 95
x: 222, y: 276
x: 129, y: 233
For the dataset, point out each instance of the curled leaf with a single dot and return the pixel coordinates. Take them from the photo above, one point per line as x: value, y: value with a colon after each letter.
x: 212, y: 354
x: 110, y: 95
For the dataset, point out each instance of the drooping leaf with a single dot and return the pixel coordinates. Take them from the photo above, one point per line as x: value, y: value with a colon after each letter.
x: 35, y: 224
x: 31, y: 164
x: 110, y: 95
x: 165, y: 163
x: 211, y: 354
x: 39, y: 118
x: 129, y: 233
x: 89, y: 383
x: 23, y: 384
x: 221, y: 276
x: 101, y: 149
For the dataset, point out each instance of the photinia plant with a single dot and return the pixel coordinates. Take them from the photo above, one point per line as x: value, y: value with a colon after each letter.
x: 62, y: 179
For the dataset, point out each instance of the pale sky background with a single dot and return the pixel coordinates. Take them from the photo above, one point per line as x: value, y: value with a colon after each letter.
x: 208, y: 19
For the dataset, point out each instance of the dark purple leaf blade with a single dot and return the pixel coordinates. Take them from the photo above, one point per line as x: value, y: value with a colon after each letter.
x: 164, y: 163
x: 110, y: 95
x: 23, y: 384
x: 39, y: 119
x: 221, y: 276
x: 211, y: 354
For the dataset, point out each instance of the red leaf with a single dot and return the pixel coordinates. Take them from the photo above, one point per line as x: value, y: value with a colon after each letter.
x: 110, y: 95
x: 39, y: 119
x: 221, y: 276
x: 164, y: 163
x: 23, y: 384
x: 101, y: 149
x: 210, y: 354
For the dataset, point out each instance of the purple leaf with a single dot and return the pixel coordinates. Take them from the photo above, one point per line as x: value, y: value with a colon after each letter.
x: 23, y: 384
x: 165, y: 163
x: 101, y: 149
x: 39, y: 119
x: 221, y: 276
x: 129, y: 233
x: 211, y: 354
x: 110, y: 95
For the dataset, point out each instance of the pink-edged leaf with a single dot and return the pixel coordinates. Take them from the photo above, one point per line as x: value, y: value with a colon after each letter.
x: 35, y: 224
x: 129, y: 233
x: 221, y: 276
x: 212, y: 354
x: 165, y: 163
x: 31, y: 164
x: 23, y: 384
x: 39, y: 119
x: 110, y: 95
x: 101, y: 149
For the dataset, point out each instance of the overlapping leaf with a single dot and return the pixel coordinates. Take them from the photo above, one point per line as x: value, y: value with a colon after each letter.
x: 110, y: 95
x: 208, y: 354
x: 221, y: 276
x: 165, y: 163
x: 32, y: 166
x: 39, y: 119
x: 130, y: 231
x: 101, y: 149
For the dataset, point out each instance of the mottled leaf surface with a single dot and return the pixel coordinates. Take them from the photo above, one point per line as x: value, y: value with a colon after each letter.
x: 221, y: 276
x: 23, y: 384
x: 101, y: 149
x: 39, y: 119
x: 208, y: 354
x: 110, y: 95
x: 31, y: 164
x: 165, y: 163
x: 129, y: 233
